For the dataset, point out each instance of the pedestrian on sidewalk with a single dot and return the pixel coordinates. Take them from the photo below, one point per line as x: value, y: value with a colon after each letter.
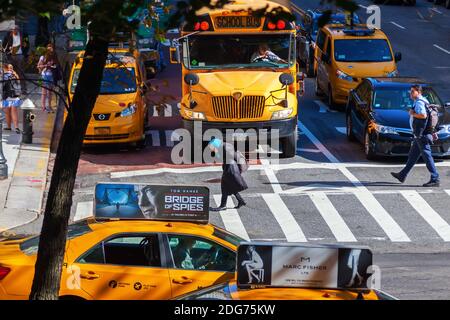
x: 423, y: 139
x: 17, y: 45
x: 11, y: 97
x: 48, y: 67
x: 234, y: 164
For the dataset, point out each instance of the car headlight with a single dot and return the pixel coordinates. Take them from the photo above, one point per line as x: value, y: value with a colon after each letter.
x: 392, y: 74
x: 343, y: 76
x: 385, y: 129
x: 128, y: 111
x: 282, y: 114
x: 444, y: 129
x: 74, y: 44
x: 194, y: 115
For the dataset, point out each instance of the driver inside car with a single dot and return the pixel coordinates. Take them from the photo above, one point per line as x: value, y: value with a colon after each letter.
x: 264, y: 54
x: 183, y: 258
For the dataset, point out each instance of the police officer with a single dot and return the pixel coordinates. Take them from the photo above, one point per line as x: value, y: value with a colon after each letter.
x: 421, y: 145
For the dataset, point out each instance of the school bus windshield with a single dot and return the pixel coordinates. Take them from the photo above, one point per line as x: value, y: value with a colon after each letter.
x: 239, y: 51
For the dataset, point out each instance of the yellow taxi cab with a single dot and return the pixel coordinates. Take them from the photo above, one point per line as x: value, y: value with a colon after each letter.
x: 120, y: 112
x: 346, y: 55
x: 290, y: 271
x: 127, y: 252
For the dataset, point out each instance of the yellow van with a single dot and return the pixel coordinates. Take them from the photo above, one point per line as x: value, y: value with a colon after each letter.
x: 120, y: 112
x: 346, y: 55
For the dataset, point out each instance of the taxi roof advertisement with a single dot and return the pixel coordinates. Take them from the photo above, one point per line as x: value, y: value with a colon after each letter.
x: 152, y: 202
x: 301, y: 266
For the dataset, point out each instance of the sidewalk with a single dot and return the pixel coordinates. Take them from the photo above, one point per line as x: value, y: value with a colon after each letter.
x: 22, y: 193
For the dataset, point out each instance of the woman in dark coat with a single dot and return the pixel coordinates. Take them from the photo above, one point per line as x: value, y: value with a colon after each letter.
x: 232, y: 181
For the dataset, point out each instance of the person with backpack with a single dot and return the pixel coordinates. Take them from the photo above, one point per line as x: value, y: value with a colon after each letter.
x: 234, y: 165
x: 423, y: 124
x: 11, y: 97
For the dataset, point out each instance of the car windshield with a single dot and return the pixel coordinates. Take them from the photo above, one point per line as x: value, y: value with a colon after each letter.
x: 115, y: 81
x: 399, y: 99
x: 227, y: 236
x: 239, y: 51
x: 362, y: 50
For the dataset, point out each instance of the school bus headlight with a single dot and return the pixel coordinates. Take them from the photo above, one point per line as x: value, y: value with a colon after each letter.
x: 128, y: 111
x: 282, y: 114
x: 194, y: 115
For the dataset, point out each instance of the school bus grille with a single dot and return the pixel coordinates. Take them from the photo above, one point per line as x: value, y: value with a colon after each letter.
x: 248, y: 107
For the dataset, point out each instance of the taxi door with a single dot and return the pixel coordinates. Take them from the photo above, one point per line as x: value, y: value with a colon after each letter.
x: 324, y: 66
x: 125, y: 267
x: 197, y: 263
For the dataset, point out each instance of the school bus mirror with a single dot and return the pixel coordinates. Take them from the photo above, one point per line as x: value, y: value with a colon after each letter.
x: 175, y: 55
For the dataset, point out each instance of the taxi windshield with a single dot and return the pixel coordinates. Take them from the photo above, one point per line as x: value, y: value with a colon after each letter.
x: 115, y: 81
x: 239, y: 51
x: 362, y: 50
x: 399, y: 99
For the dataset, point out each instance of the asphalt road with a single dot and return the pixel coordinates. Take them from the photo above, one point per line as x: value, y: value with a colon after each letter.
x: 329, y: 192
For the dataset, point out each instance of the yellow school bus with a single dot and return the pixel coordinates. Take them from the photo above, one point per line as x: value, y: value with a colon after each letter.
x: 239, y: 71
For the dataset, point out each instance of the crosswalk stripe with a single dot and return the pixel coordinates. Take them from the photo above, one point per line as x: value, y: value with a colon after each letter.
x: 448, y: 192
x: 231, y: 219
x: 169, y: 142
x: 428, y: 213
x: 381, y: 216
x: 284, y: 217
x: 168, y: 110
x: 155, y: 138
x: 329, y: 213
x: 84, y: 210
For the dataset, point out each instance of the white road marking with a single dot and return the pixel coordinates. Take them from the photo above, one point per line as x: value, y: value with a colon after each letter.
x: 167, y: 110
x: 270, y: 173
x: 397, y: 25
x: 361, y: 6
x: 368, y: 200
x: 441, y: 67
x: 436, y: 10
x: 428, y: 214
x: 329, y: 213
x: 323, y: 108
x: 448, y: 192
x: 155, y: 111
x: 342, y: 130
x: 155, y: 138
x: 169, y: 142
x: 308, y: 150
x: 284, y: 217
x: 231, y: 219
x: 442, y: 49
x: 84, y: 210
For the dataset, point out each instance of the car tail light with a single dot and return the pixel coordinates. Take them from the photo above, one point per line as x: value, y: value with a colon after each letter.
x: 281, y: 24
x: 204, y: 25
x: 4, y: 271
x: 271, y: 26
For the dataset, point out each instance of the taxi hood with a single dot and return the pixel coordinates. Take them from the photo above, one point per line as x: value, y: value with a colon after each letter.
x: 253, y: 82
x: 366, y: 69
x: 107, y: 103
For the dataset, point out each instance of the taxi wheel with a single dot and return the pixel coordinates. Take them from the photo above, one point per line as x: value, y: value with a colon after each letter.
x: 331, y: 102
x: 317, y: 89
x: 141, y: 144
x: 368, y: 149
x: 349, y: 130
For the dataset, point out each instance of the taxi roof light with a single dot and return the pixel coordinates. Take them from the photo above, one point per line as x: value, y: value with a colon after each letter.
x: 359, y: 32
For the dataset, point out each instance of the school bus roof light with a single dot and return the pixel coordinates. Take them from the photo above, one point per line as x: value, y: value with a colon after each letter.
x: 197, y: 26
x: 271, y: 25
x: 204, y: 25
x: 281, y: 25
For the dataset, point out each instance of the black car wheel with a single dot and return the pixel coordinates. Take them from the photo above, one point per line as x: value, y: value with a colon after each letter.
x: 368, y: 146
x: 331, y: 102
x: 349, y: 130
x: 289, y: 145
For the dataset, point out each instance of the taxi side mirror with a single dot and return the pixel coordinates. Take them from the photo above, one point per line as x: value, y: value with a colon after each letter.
x: 175, y: 56
x: 398, y: 56
x: 447, y: 105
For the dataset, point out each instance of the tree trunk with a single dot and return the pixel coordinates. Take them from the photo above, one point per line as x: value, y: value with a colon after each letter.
x: 48, y: 268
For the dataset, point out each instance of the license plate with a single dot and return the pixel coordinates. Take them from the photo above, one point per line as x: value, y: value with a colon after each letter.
x: 102, y: 131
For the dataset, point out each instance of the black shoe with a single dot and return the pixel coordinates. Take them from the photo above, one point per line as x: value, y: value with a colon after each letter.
x: 221, y: 208
x: 7, y: 129
x: 432, y: 183
x: 18, y: 131
x: 240, y: 204
x: 398, y: 177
